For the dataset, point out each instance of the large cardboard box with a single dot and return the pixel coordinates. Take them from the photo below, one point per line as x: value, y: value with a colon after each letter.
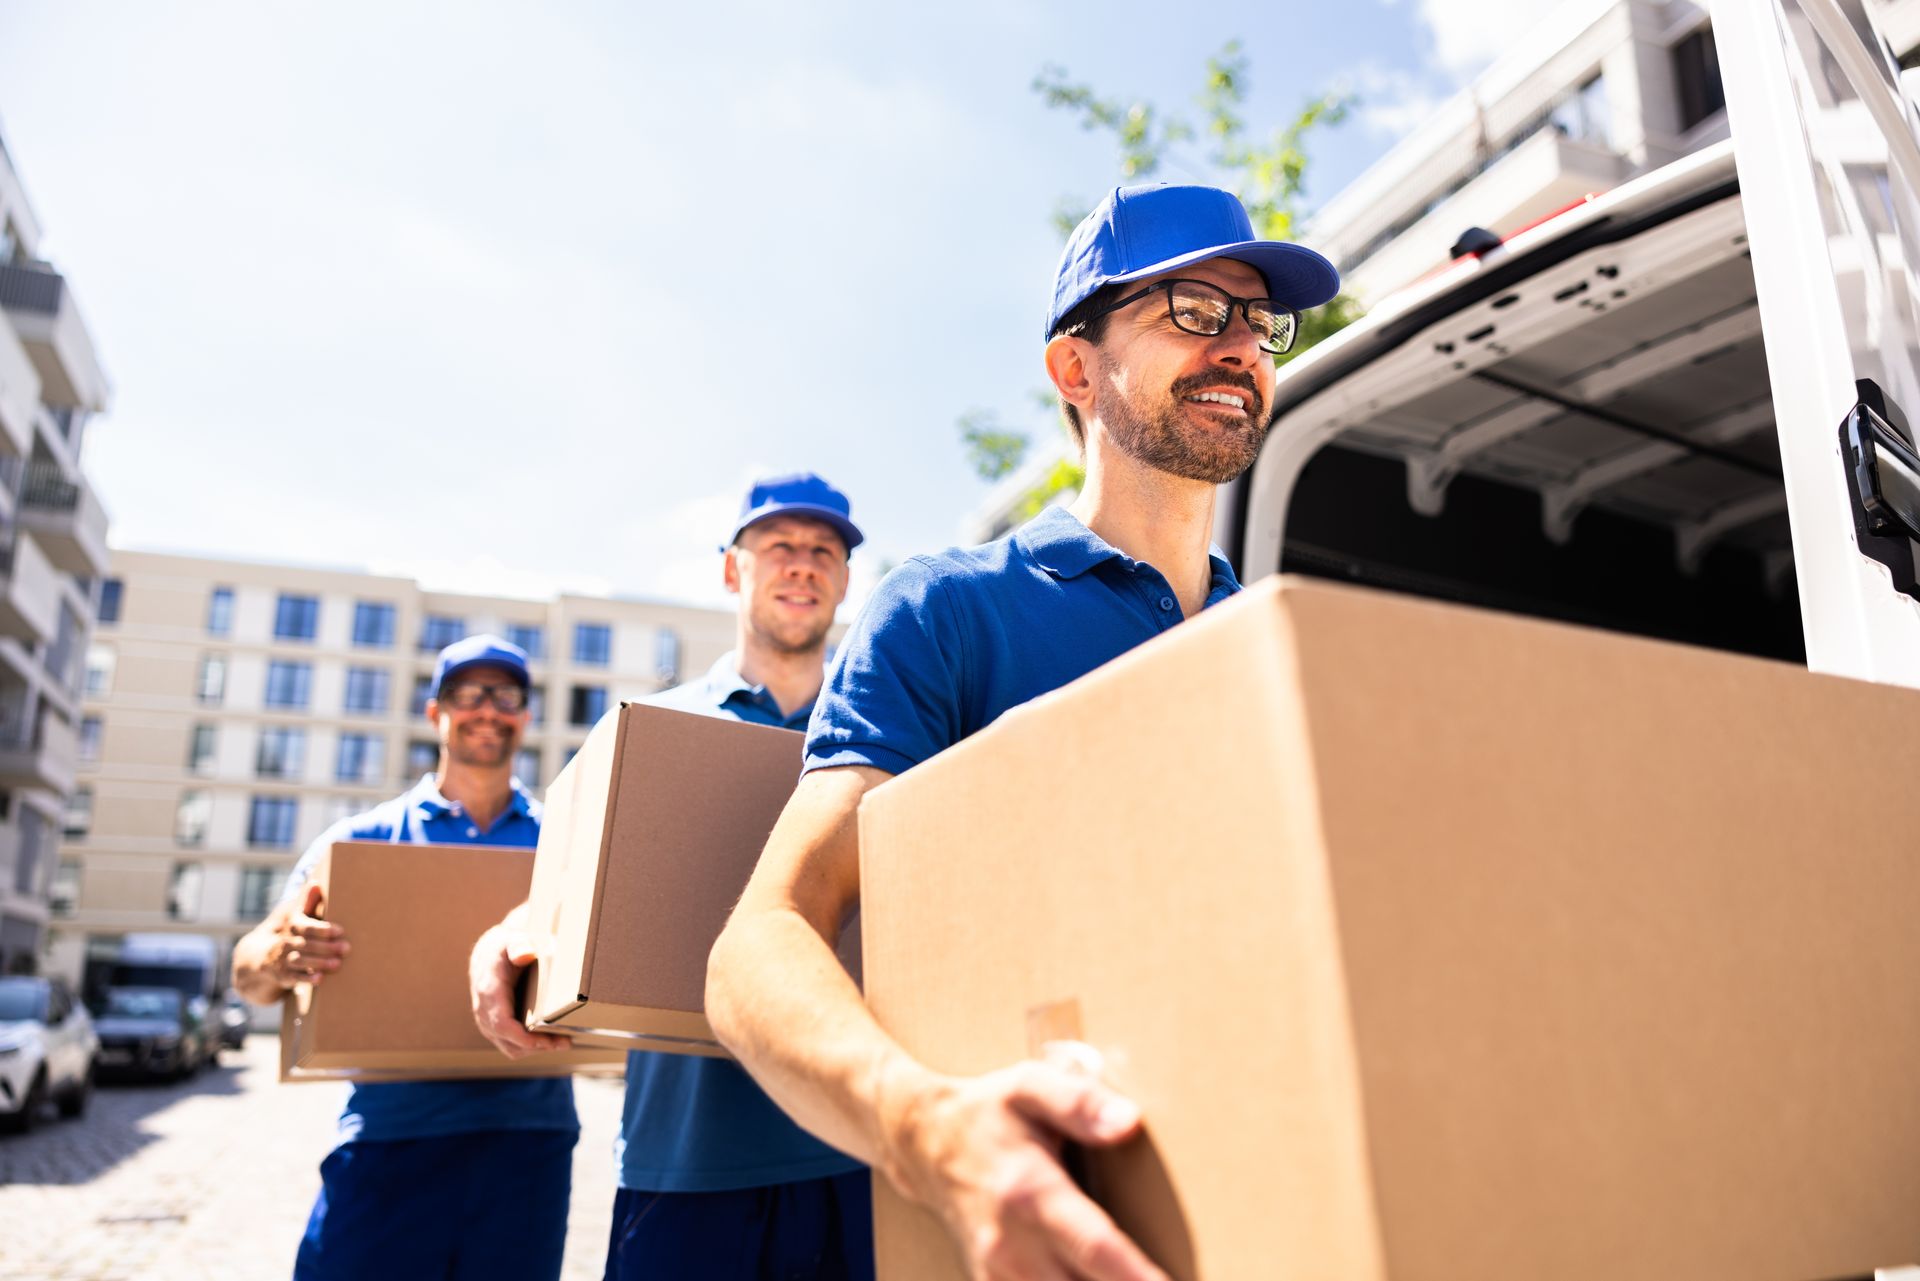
x: 650, y: 834
x: 1436, y: 944
x: 398, y: 1009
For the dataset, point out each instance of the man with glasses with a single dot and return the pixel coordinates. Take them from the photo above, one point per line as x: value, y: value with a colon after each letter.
x: 1166, y: 313
x: 456, y: 1179
x: 715, y: 1181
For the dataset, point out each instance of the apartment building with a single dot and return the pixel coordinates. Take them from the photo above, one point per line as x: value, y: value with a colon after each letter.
x: 53, y: 552
x: 233, y: 710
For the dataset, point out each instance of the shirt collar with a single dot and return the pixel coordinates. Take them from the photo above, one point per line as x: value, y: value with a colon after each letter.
x: 724, y: 680
x: 1058, y: 543
x: 426, y: 796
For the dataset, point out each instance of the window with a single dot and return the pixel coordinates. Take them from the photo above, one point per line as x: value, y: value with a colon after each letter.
x: 666, y: 656
x: 440, y: 631
x: 192, y: 817
x: 283, y: 752
x: 63, y: 896
x: 211, y: 685
x: 100, y: 660
x: 110, y: 590
x: 296, y: 617
x: 183, y: 892
x: 32, y: 850
x: 366, y: 689
x: 537, y: 705
x: 526, y: 767
x: 89, y: 738
x: 1696, y: 72
x: 362, y: 758
x: 200, y: 748
x: 529, y: 638
x: 270, y: 821
x: 256, y: 892
x: 77, y: 821
x: 422, y: 691
x: 588, y: 705
x: 592, y: 644
x: 288, y: 683
x: 422, y: 758
x: 1583, y: 115
x: 220, y: 612
x: 373, y: 624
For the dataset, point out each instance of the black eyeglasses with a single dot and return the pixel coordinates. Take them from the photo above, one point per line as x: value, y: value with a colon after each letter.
x: 1196, y: 307
x: 467, y: 696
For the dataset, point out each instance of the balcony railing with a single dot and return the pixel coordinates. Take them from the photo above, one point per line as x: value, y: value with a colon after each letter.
x: 48, y: 489
x: 26, y: 287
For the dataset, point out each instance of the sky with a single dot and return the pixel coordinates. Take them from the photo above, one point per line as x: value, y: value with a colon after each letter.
x: 517, y: 298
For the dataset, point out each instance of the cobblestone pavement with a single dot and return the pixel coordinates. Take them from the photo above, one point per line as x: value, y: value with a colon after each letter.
x: 211, y: 1179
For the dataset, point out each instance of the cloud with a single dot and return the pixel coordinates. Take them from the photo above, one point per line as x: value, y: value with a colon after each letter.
x: 1469, y: 34
x: 1393, y: 101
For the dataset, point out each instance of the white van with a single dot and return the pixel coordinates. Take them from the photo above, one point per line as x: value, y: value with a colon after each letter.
x: 1680, y: 409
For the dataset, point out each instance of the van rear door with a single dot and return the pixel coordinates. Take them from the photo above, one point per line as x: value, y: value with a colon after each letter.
x: 1828, y: 152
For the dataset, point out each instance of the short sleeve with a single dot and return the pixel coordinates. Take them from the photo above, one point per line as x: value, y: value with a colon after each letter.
x: 892, y: 696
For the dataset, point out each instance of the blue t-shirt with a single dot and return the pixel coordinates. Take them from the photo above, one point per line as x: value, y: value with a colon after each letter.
x: 949, y: 642
x: 424, y: 1109
x: 694, y: 1124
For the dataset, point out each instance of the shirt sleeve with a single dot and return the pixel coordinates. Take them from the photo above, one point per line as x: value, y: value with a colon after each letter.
x: 893, y: 695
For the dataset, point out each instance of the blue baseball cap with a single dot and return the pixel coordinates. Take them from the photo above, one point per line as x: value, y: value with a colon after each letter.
x: 1142, y: 231
x: 480, y: 651
x: 801, y: 494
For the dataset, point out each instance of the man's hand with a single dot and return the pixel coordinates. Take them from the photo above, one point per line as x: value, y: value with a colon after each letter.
x: 303, y: 948
x: 493, y: 974
x: 984, y: 1154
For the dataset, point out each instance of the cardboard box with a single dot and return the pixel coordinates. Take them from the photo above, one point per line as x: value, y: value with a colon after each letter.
x: 650, y: 834
x: 1436, y: 944
x: 398, y: 1009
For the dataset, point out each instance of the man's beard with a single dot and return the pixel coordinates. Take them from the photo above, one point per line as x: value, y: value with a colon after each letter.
x: 462, y: 750
x: 1164, y: 440
x: 790, y: 639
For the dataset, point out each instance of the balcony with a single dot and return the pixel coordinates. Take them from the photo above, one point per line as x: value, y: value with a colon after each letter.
x: 66, y: 520
x: 38, y: 754
x: 41, y: 307
x: 19, y: 393
x: 29, y: 592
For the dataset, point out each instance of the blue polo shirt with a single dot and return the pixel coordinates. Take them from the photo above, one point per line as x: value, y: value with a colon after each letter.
x: 949, y: 642
x: 426, y: 1109
x: 694, y: 1124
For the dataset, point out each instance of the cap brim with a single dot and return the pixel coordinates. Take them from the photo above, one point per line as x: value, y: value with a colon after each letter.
x: 1297, y: 277
x: 520, y: 674
x: 848, y: 531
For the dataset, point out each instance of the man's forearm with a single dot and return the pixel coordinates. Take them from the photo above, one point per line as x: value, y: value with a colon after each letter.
x: 779, y: 998
x: 253, y: 975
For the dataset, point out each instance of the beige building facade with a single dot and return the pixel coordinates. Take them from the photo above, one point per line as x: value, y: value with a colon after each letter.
x: 234, y: 710
x: 53, y: 553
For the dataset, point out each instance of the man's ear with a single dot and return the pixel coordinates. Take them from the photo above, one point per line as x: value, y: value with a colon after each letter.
x: 730, y: 570
x: 1069, y: 368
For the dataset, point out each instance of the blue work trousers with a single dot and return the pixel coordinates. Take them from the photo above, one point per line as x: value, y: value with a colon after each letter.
x: 457, y: 1207
x: 812, y: 1230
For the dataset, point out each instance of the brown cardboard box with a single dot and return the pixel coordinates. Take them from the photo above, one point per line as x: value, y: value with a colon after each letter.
x: 398, y: 1009
x: 1436, y: 944
x: 650, y: 834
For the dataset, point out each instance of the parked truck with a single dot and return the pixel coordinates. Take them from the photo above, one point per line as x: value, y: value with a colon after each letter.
x: 1680, y: 408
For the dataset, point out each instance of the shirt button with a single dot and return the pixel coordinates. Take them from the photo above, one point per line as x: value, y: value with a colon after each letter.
x: 473, y: 831
x: 1166, y: 602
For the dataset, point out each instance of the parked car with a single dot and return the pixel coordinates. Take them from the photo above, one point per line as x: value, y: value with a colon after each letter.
x: 47, y: 1049
x: 150, y: 1032
x: 236, y: 1020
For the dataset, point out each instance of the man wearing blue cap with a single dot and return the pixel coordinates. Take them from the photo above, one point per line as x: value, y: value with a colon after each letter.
x: 715, y: 1181
x: 1166, y: 313
x: 455, y: 1179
